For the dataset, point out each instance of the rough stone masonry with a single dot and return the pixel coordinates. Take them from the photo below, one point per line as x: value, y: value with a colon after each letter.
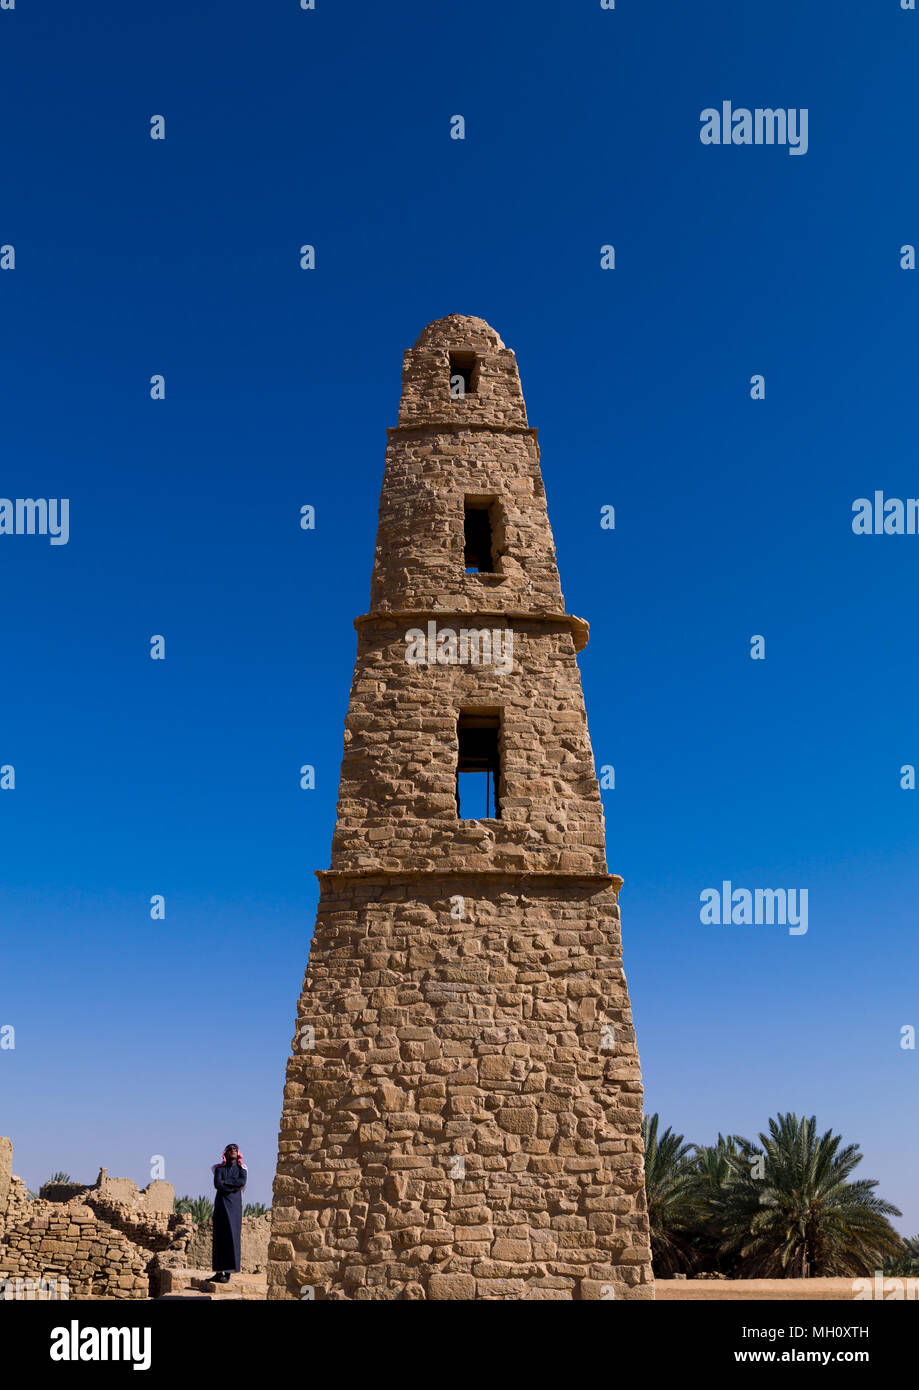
x: 462, y: 1110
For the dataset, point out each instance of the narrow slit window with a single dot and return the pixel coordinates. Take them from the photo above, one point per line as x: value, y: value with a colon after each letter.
x: 478, y: 767
x: 479, y: 538
x: 464, y: 374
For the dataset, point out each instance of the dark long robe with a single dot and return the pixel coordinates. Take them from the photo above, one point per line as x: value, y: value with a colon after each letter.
x: 229, y: 1181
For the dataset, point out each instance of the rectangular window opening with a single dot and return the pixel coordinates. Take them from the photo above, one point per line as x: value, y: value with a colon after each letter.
x: 479, y: 548
x: 478, y: 767
x: 464, y: 374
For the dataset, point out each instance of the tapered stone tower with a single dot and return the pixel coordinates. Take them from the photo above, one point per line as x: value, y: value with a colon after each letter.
x: 462, y: 1113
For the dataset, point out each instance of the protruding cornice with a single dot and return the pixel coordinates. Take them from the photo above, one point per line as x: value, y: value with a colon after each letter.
x: 454, y: 426
x: 578, y: 627
x: 552, y: 876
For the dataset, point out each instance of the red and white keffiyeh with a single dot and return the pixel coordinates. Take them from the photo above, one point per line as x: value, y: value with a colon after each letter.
x: 223, y: 1159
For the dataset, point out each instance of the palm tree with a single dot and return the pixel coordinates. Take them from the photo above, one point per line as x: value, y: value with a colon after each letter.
x: 906, y: 1262
x: 715, y: 1167
x: 255, y: 1209
x: 58, y: 1177
x: 797, y: 1214
x: 201, y: 1208
x: 671, y: 1190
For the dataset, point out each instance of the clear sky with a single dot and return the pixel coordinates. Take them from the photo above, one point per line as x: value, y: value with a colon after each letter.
x: 134, y: 777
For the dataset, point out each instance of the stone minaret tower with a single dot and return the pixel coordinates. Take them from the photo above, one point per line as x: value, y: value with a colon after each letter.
x: 462, y: 1113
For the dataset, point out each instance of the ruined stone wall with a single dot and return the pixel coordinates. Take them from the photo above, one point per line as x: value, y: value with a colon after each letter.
x: 105, y: 1241
x: 256, y: 1232
x: 67, y: 1241
x: 6, y: 1173
x: 18, y: 1204
x: 439, y: 1040
x: 101, y: 1253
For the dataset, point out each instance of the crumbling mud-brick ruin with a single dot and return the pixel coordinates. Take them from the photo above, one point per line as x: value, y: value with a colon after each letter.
x: 109, y: 1240
x: 462, y: 1109
x: 76, y: 1241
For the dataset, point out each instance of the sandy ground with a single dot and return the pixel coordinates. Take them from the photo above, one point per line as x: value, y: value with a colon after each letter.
x: 725, y: 1290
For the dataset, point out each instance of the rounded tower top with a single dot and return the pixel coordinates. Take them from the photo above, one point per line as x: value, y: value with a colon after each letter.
x: 460, y: 373
x: 458, y: 330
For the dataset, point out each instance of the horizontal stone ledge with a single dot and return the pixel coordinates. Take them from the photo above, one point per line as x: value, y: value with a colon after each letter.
x: 580, y: 628
x: 456, y: 426
x: 572, y: 876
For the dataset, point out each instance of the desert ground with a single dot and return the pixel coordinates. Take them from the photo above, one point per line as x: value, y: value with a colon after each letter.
x: 753, y: 1290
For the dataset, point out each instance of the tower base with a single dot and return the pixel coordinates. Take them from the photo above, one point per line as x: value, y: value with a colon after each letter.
x: 462, y: 1112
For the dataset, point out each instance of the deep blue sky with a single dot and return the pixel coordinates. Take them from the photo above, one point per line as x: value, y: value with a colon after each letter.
x: 733, y: 517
